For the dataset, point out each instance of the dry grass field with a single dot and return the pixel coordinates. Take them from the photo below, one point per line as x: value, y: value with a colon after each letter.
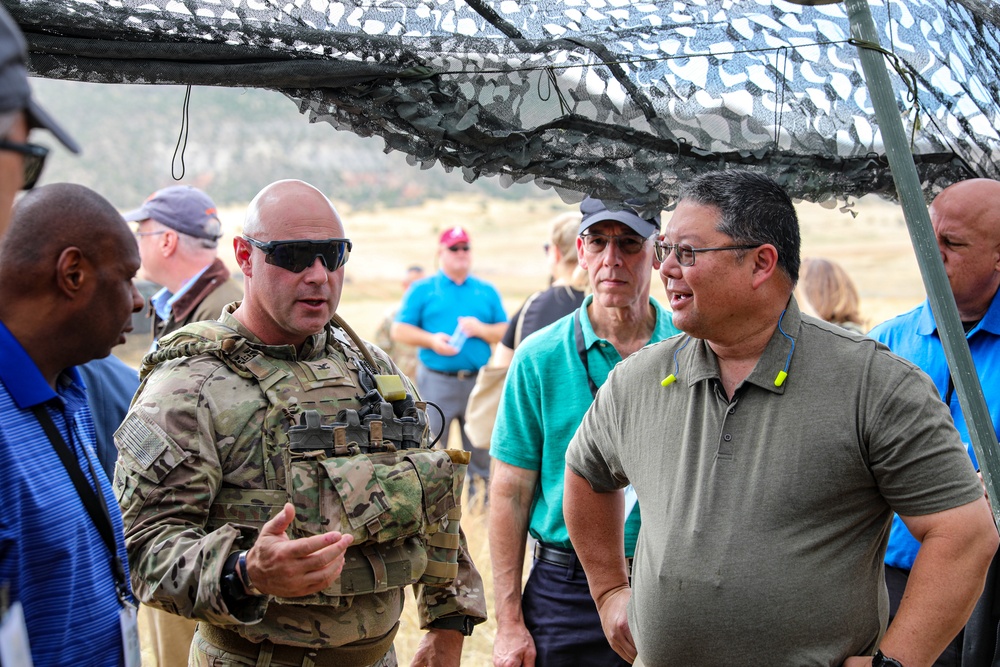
x: 507, y: 238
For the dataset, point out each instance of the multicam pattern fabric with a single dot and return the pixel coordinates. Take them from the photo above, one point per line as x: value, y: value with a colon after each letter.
x: 196, y: 478
x: 607, y: 97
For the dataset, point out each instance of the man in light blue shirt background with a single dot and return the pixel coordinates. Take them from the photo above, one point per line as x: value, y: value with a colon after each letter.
x: 966, y: 221
x: 453, y: 317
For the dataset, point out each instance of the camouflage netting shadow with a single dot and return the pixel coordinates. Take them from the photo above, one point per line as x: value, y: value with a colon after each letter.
x: 613, y: 97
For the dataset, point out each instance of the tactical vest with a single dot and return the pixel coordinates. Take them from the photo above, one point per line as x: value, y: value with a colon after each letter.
x: 366, y: 473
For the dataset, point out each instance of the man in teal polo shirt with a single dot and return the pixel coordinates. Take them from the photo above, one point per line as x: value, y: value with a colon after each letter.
x: 453, y: 317
x: 551, y: 383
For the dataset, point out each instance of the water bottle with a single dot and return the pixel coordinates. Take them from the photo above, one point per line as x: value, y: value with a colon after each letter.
x: 458, y: 338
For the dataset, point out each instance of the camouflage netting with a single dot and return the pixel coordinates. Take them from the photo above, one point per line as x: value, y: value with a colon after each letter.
x: 617, y: 97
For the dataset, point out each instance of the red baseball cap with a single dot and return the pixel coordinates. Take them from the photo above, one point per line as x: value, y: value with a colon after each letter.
x: 454, y: 235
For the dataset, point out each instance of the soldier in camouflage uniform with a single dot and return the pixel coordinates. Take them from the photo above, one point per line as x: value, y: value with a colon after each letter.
x: 289, y: 546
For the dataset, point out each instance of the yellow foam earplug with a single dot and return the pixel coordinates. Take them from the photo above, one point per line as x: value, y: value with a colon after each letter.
x: 780, y: 380
x: 669, y: 380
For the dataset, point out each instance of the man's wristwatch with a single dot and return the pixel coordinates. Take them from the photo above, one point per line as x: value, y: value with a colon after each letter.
x: 235, y: 581
x: 241, y: 569
x: 463, y: 624
x: 881, y: 660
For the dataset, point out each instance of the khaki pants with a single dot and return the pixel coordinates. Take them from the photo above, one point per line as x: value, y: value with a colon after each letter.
x: 168, y: 635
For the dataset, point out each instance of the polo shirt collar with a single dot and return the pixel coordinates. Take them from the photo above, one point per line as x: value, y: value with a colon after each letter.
x: 444, y: 276
x: 990, y: 322
x: 590, y: 338
x: 21, y: 377
x: 697, y: 362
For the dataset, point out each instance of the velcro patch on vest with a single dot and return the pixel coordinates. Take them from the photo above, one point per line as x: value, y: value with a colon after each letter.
x: 144, y: 442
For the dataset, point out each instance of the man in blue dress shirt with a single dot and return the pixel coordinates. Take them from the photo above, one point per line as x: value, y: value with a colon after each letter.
x: 966, y: 221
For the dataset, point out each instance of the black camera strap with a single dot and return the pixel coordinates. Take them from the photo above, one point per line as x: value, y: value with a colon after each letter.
x: 93, y: 500
x: 581, y: 350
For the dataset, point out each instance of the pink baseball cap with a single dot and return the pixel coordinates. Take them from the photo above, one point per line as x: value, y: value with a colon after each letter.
x: 454, y: 235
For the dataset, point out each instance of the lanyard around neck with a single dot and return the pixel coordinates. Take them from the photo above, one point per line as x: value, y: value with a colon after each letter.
x: 93, y: 500
x: 581, y: 350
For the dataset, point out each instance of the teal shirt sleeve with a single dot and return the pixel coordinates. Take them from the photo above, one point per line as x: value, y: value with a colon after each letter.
x: 518, y: 424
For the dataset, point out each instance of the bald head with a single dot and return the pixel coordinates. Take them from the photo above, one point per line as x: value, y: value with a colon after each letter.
x: 966, y: 221
x: 286, y: 299
x: 286, y: 204
x: 976, y: 202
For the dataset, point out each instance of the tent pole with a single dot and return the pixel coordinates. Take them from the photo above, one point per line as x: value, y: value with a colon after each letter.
x: 904, y: 173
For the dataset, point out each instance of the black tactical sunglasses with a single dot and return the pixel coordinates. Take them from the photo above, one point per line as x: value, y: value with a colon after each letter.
x: 297, y: 256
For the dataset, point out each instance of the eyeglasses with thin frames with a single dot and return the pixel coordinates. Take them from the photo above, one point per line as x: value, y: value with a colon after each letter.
x: 629, y: 244
x: 139, y: 235
x: 34, y: 160
x: 685, y: 253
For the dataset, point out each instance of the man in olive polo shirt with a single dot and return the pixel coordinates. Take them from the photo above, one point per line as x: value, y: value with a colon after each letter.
x: 768, y: 451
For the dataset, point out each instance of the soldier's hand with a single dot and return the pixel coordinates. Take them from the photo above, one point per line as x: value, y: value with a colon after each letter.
x: 291, y: 568
x: 439, y: 648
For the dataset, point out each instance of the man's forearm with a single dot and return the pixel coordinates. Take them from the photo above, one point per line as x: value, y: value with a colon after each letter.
x: 494, y: 333
x: 510, y: 506
x: 409, y: 334
x: 596, y: 523
x: 944, y: 584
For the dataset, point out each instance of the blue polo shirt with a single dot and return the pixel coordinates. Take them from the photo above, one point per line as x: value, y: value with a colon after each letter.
x: 435, y: 303
x: 52, y: 558
x: 544, y: 400
x: 914, y: 336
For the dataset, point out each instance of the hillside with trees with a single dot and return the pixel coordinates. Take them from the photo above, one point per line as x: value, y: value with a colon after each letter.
x: 238, y: 140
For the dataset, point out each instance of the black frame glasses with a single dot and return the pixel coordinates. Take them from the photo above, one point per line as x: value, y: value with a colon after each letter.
x: 628, y: 244
x: 297, y: 255
x: 460, y: 247
x: 685, y: 252
x: 34, y: 160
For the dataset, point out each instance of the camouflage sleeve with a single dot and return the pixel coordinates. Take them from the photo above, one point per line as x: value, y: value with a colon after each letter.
x: 382, y: 338
x: 169, y: 470
x: 466, y: 596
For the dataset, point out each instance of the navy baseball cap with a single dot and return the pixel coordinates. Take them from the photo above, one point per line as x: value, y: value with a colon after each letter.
x: 15, y: 93
x: 595, y: 211
x: 183, y: 208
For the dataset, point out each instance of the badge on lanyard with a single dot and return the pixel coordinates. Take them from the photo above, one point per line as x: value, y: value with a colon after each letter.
x: 127, y: 618
x: 14, y: 647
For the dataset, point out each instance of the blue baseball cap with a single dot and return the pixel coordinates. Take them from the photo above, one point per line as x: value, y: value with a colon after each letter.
x: 183, y: 208
x: 595, y: 211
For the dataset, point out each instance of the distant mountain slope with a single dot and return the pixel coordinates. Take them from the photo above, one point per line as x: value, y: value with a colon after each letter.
x: 238, y: 141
